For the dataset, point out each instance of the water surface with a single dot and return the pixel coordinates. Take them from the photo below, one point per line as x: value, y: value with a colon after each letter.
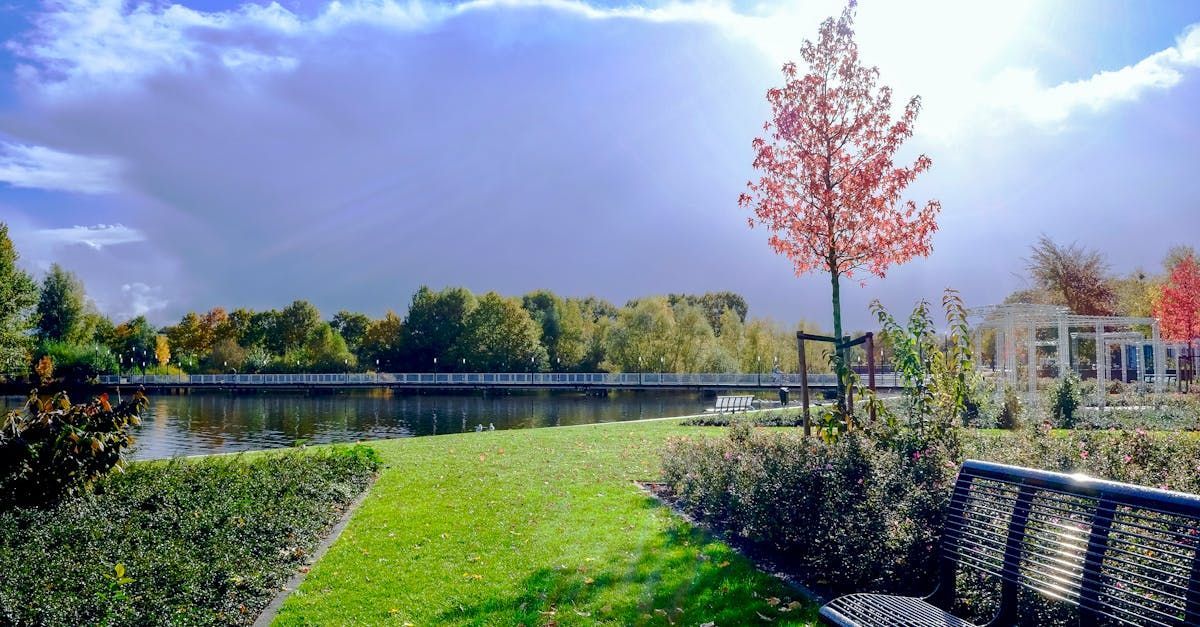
x: 219, y: 422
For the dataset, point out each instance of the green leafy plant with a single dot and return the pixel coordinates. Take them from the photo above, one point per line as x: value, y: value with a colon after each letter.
x: 1064, y: 401
x: 205, y: 541
x: 1009, y: 416
x: 52, y: 448
x: 940, y: 384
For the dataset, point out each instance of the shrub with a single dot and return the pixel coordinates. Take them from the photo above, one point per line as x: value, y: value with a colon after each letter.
x: 1065, y: 398
x: 865, y: 512
x: 52, y: 448
x: 853, y: 513
x: 184, y: 542
x: 78, y: 363
x: 1009, y: 416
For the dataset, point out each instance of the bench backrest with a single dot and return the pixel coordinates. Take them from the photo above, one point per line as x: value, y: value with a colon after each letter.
x: 733, y: 403
x: 1123, y: 554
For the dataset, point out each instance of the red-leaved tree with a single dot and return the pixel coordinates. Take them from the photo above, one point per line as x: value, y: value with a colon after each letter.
x: 1178, y: 308
x: 829, y: 190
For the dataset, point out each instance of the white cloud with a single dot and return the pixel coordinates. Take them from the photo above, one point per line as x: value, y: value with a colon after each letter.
x: 83, y: 45
x: 95, y: 237
x: 1019, y: 91
x: 45, y: 168
x: 141, y: 299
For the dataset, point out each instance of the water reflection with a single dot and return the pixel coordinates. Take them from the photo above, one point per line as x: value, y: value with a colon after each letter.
x: 212, y: 422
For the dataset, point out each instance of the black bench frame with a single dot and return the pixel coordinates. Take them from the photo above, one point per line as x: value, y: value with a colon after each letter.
x: 1122, y: 554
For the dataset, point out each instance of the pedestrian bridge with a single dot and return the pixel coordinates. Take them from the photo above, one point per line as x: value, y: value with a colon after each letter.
x: 475, y: 380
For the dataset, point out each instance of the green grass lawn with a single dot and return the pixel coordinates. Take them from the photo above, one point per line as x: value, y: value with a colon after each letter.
x: 533, y: 527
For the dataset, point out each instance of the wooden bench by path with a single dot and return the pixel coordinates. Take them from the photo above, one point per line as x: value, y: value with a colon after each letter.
x: 732, y: 404
x: 1122, y: 554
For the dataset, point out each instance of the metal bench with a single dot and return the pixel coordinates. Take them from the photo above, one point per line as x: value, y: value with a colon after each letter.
x: 1122, y: 554
x: 733, y: 404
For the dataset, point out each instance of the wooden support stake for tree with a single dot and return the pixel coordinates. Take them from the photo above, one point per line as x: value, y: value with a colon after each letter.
x: 844, y: 350
x: 803, y: 384
x: 871, y: 371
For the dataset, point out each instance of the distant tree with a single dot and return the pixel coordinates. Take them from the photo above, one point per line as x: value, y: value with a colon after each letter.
x: 214, y: 323
x: 714, y: 304
x: 1072, y: 276
x: 381, y: 342
x: 570, y: 350
x: 18, y: 297
x: 1178, y: 310
x: 352, y: 326
x: 597, y: 308
x: 546, y: 310
x: 500, y: 336
x: 162, y: 350
x: 326, y: 351
x: 135, y: 340
x: 432, y: 326
x: 732, y: 337
x: 562, y: 324
x: 294, y: 325
x: 640, y: 337
x: 97, y: 327
x: 691, y: 342
x: 1135, y: 294
x: 61, y: 307
x: 257, y: 359
x: 187, y: 338
x: 830, y: 191
x: 1176, y: 254
x: 226, y: 355
x: 260, y: 330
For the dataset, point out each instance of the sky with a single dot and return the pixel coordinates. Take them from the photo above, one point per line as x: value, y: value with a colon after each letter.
x: 183, y: 156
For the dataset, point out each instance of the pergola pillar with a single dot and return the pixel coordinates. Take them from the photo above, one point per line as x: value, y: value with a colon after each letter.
x: 1160, y: 361
x: 1124, y: 362
x: 1064, y: 348
x: 1101, y: 392
x: 1010, y: 354
x: 1032, y: 358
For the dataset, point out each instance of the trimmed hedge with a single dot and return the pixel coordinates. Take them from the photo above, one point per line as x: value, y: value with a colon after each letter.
x: 865, y: 513
x: 195, y: 542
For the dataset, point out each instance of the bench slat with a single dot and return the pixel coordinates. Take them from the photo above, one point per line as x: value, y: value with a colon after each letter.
x: 1126, y: 553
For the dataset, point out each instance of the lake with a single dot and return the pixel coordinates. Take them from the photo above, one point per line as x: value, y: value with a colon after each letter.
x: 219, y: 422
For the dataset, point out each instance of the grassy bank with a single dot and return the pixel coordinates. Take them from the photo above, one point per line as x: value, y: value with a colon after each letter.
x: 534, y: 527
x: 187, y: 542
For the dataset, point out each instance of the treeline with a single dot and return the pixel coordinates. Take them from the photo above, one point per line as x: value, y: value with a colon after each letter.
x: 57, y: 333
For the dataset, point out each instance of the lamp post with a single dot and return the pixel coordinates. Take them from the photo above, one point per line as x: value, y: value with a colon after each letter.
x: 640, y: 369
x: 758, y: 369
x: 435, y: 369
x: 532, y: 360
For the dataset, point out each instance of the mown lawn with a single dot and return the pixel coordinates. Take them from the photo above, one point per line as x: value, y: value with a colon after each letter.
x: 536, y: 527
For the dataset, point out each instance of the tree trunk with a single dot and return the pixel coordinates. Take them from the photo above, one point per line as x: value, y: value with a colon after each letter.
x: 839, y: 363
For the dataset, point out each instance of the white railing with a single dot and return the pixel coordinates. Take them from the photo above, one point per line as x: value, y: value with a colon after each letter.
x: 491, y: 379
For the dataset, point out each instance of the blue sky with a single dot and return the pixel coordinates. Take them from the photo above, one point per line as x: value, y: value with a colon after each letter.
x: 183, y: 156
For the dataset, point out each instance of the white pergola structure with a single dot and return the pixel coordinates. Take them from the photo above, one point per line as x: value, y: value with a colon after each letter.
x: 1017, y: 326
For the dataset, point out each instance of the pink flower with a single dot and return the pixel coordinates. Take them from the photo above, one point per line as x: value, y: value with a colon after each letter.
x: 1127, y: 459
x: 1083, y: 454
x: 916, y: 455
